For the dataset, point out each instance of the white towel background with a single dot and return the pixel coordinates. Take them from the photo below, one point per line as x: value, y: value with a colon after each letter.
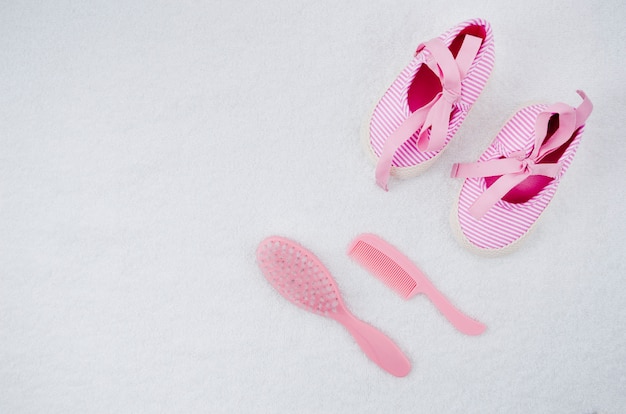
x: 147, y: 147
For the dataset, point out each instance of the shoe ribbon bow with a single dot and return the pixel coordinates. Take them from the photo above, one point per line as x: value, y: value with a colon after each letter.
x: 519, y: 165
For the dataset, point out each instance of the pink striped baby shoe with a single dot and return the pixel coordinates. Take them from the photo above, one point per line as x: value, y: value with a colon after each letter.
x: 505, y: 192
x: 424, y: 107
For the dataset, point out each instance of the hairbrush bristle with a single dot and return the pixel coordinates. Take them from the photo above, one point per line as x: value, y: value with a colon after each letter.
x: 386, y: 269
x: 298, y: 275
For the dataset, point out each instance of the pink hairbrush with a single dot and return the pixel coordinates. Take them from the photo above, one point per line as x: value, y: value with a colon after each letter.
x: 400, y: 274
x: 303, y: 280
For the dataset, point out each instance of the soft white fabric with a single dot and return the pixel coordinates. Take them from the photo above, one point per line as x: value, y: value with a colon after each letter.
x: 147, y: 147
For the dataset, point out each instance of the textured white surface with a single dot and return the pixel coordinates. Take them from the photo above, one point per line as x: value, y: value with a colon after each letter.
x: 147, y: 148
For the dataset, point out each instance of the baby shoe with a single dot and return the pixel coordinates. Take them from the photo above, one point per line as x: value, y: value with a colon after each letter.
x: 505, y: 192
x: 424, y: 107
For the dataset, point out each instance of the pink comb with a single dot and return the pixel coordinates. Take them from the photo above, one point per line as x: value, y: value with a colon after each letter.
x: 399, y: 273
x: 301, y: 278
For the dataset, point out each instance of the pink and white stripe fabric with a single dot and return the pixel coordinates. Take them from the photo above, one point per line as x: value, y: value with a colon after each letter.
x: 506, y: 222
x: 393, y: 109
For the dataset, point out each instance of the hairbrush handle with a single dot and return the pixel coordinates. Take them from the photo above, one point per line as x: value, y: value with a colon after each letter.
x: 376, y: 345
x: 461, y: 321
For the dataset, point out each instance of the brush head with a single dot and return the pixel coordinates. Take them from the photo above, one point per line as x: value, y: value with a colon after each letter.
x: 385, y: 262
x: 298, y: 275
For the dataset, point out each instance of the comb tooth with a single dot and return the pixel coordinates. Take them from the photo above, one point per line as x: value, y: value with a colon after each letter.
x: 384, y: 268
